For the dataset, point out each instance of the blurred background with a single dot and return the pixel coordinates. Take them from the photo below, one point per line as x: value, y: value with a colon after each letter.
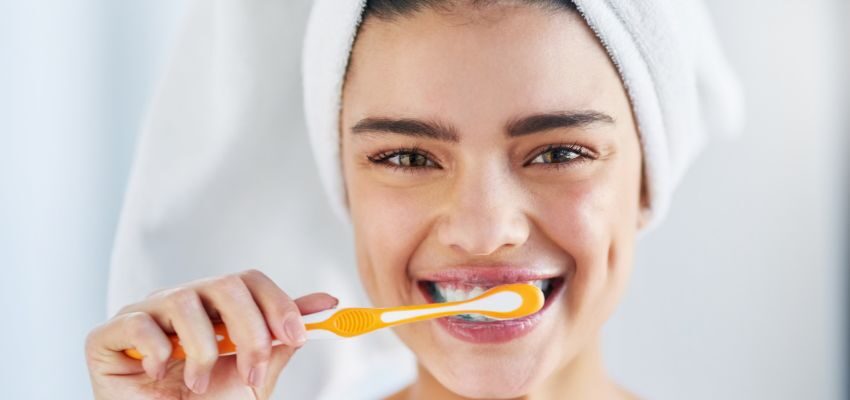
x: 741, y: 294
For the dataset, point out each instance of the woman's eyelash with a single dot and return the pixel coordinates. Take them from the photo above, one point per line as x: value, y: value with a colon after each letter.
x: 561, y: 155
x: 406, y: 159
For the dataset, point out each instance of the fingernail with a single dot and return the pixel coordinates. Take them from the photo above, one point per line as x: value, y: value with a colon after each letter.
x: 257, y: 375
x: 294, y: 330
x: 201, y: 383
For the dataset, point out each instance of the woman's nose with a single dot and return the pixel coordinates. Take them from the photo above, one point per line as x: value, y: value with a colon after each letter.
x: 485, y: 214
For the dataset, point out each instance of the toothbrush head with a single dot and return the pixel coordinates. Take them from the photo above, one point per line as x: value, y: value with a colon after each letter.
x: 510, y: 301
x: 503, y: 302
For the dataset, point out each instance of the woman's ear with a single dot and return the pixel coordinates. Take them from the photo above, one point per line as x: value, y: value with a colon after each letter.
x: 643, y: 211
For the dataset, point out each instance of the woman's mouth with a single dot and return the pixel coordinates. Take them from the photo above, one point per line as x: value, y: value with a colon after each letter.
x: 459, y: 285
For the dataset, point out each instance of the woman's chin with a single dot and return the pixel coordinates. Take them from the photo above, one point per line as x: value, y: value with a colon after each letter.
x: 488, y: 376
x: 493, y: 360
x: 481, y: 358
x: 500, y: 370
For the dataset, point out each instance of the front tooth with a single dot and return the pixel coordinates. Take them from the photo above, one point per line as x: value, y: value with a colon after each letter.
x: 475, y: 292
x: 449, y: 293
x: 443, y: 292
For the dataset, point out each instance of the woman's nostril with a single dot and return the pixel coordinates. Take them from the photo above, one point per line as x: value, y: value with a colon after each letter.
x: 481, y: 238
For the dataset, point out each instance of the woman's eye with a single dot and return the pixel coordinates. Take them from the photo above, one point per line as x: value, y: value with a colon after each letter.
x: 557, y: 155
x: 405, y: 159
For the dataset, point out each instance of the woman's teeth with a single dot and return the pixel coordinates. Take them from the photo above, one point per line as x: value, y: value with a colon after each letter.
x: 442, y: 292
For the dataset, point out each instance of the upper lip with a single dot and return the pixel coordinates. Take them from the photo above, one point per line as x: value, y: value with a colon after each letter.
x: 489, y: 274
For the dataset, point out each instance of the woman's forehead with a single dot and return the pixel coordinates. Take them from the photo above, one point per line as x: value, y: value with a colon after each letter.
x: 524, y: 62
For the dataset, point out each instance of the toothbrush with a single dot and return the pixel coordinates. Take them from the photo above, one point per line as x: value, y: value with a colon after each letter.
x: 503, y: 302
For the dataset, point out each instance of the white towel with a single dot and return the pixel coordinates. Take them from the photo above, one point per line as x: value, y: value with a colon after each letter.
x: 223, y: 180
x: 211, y: 189
x: 681, y: 87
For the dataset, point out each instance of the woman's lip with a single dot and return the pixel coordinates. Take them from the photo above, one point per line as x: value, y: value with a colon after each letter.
x: 494, y: 332
x: 489, y: 275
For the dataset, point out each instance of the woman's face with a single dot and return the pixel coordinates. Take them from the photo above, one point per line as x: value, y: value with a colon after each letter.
x: 487, y: 146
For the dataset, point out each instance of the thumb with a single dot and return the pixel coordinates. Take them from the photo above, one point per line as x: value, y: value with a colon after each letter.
x: 309, y: 304
x: 315, y: 302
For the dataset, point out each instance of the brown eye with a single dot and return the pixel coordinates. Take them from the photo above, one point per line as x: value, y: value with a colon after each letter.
x: 557, y: 155
x: 407, y: 159
x: 411, y: 160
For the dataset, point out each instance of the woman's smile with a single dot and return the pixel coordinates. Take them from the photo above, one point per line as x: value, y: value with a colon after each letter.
x: 463, y: 283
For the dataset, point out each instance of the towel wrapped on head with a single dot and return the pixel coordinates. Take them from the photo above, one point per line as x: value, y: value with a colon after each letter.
x: 681, y: 88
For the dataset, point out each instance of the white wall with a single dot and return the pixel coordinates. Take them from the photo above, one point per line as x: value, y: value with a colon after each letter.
x: 74, y: 80
x: 738, y: 296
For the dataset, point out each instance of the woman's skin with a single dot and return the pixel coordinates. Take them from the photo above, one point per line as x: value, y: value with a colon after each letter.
x: 559, y: 193
x: 422, y: 202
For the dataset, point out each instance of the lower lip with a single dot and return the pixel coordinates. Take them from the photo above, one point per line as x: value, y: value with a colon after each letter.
x: 494, y: 332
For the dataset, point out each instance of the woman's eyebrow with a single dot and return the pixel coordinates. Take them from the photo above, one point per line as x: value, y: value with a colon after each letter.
x: 407, y: 126
x: 518, y: 127
x: 553, y: 120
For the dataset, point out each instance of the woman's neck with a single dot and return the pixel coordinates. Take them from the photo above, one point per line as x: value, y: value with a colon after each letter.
x: 583, y: 378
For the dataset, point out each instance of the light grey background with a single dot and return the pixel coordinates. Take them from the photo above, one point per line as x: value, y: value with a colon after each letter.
x: 739, y: 295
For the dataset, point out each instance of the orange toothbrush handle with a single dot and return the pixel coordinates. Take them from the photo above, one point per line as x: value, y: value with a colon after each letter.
x: 225, y: 345
x: 502, y: 302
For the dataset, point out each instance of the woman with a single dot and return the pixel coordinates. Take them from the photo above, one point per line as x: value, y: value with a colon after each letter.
x: 471, y: 144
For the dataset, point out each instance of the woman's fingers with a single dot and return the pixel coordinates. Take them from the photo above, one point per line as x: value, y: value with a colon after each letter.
x: 190, y: 321
x: 105, y: 346
x: 270, y: 300
x: 247, y: 328
x: 281, y: 313
x: 153, y: 343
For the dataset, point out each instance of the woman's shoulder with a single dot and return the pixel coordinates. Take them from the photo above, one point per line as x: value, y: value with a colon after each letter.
x: 625, y: 394
x: 400, y: 395
x: 620, y: 393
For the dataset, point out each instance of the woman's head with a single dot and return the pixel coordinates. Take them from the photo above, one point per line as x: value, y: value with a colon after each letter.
x: 485, y: 142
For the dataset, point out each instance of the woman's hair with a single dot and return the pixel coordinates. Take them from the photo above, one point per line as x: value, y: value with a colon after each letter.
x: 391, y: 9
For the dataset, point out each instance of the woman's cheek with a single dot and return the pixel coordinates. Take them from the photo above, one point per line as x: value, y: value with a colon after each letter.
x: 573, y: 215
x: 389, y: 226
x: 578, y: 218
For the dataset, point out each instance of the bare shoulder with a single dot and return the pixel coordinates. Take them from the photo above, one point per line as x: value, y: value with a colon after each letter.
x: 400, y: 395
x: 625, y: 394
x: 620, y: 393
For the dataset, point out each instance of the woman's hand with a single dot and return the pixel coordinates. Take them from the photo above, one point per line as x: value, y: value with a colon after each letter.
x: 255, y: 311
